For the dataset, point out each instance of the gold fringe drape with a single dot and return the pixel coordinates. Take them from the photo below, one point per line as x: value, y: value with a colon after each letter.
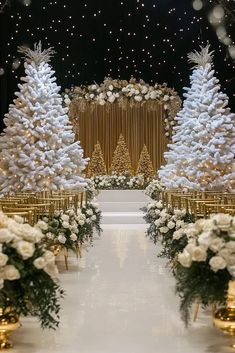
x: 139, y: 125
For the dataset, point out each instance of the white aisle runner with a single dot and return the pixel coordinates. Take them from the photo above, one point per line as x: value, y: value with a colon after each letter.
x: 120, y: 299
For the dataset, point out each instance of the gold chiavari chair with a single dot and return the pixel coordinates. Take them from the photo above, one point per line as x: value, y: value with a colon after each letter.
x: 210, y: 208
x: 29, y: 216
x: 44, y: 209
x: 196, y: 206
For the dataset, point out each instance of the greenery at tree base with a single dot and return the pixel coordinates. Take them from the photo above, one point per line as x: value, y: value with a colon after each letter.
x: 199, y: 283
x: 34, y: 294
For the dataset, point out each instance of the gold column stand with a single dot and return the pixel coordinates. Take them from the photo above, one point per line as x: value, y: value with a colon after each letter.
x: 224, y: 318
x: 9, y: 322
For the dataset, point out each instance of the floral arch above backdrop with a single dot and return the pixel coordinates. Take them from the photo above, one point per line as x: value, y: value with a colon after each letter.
x: 144, y: 114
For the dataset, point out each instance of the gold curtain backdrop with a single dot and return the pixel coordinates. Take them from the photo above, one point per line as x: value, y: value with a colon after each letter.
x: 138, y: 124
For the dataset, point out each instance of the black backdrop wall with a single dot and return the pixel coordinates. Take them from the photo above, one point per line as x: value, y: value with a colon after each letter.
x: 148, y: 39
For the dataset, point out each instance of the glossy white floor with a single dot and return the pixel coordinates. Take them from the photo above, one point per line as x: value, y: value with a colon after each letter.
x: 120, y: 299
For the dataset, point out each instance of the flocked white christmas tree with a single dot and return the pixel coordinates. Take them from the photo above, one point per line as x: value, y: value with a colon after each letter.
x: 37, y: 147
x: 201, y: 156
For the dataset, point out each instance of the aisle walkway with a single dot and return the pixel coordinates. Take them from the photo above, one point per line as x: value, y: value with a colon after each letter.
x: 120, y: 299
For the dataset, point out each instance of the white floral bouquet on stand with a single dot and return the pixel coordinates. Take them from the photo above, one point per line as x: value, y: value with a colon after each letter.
x: 154, y: 188
x: 207, y: 262
x: 70, y: 229
x: 28, y: 272
x: 163, y: 224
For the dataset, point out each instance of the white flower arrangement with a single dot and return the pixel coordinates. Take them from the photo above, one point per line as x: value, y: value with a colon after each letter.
x: 213, y: 241
x: 72, y: 228
x: 206, y: 263
x: 119, y: 182
x: 27, y: 271
x: 154, y: 188
x: 132, y: 92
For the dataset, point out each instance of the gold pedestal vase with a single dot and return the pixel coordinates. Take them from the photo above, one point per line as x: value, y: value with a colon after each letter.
x: 224, y: 318
x: 9, y: 322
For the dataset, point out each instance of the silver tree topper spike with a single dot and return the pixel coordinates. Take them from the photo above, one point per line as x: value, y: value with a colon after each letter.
x: 201, y: 58
x: 37, y: 55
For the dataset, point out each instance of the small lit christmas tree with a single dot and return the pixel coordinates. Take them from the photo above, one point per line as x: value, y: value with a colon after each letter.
x: 203, y: 149
x: 121, y: 162
x: 97, y: 164
x: 37, y: 148
x: 145, y: 165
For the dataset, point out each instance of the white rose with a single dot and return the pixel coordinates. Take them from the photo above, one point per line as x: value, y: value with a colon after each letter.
x: 138, y: 98
x: 5, y: 235
x: 164, y: 230
x: 65, y: 218
x: 225, y: 253
x: 110, y: 87
x: 11, y: 273
x: 171, y: 225
x: 217, y: 263
x: 74, y: 229
x: 62, y: 239
x: 93, y: 217
x: 50, y: 235
x: 208, y: 225
x: 67, y: 101
x: 199, y: 225
x: 166, y: 98
x: 73, y: 237
x: 39, y: 263
x: 179, y: 224
x: 42, y: 225
x: 185, y: 259
x: 81, y: 223
x: 199, y: 254
x: 25, y: 249
x: 111, y: 99
x: 190, y: 247
x: 230, y: 245
x: 204, y: 239
x: 56, y: 214
x: 153, y: 95
x: 3, y: 259
x: 178, y: 234
x: 71, y: 213
x: 224, y: 221
x: 217, y: 244
x: 109, y: 93
x: 101, y: 102
x: 19, y: 219
x: 92, y: 95
x: 65, y: 225
x: 144, y: 89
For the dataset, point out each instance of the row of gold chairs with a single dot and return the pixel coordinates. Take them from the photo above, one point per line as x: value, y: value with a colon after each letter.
x: 200, y: 204
x: 32, y: 206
